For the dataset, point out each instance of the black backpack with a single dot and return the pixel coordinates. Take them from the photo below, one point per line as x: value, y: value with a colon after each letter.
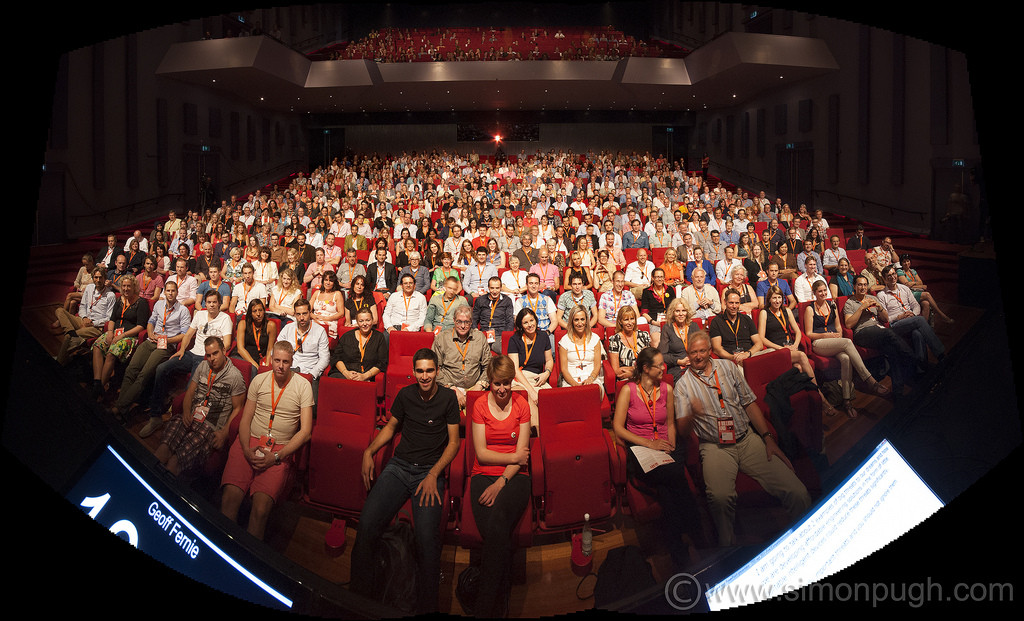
x: 624, y: 573
x: 396, y: 568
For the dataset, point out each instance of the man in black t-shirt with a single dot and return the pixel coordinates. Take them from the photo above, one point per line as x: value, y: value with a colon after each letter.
x: 733, y: 334
x: 427, y: 414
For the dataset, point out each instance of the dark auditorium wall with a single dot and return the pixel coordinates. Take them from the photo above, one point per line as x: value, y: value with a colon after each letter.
x: 878, y: 138
x: 125, y: 145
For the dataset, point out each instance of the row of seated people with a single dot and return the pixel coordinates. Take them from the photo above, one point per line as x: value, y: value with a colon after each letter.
x: 404, y: 45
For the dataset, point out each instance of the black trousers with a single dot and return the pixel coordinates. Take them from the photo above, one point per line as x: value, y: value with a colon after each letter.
x: 495, y: 524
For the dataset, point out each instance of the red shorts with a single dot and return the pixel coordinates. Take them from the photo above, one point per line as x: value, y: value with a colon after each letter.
x: 238, y: 472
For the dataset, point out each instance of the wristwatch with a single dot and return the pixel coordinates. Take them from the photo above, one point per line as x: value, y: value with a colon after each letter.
x: 277, y: 458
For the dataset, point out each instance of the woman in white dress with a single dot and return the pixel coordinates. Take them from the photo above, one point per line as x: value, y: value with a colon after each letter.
x: 579, y: 353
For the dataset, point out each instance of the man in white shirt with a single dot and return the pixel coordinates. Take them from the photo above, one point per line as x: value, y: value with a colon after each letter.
x: 406, y: 308
x: 187, y: 284
x: 702, y: 297
x: 309, y: 341
x: 803, y: 284
x: 830, y: 258
x: 247, y: 291
x: 638, y: 273
x: 723, y: 268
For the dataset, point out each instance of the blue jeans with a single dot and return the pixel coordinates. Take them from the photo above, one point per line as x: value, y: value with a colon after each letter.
x: 921, y: 335
x: 165, y: 375
x: 394, y: 485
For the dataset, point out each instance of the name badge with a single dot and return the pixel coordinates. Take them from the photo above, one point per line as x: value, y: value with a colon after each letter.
x: 118, y: 332
x: 161, y: 341
x: 405, y: 327
x: 490, y: 336
x: 199, y: 412
x: 437, y: 330
x: 661, y: 318
x: 267, y: 443
x: 726, y: 431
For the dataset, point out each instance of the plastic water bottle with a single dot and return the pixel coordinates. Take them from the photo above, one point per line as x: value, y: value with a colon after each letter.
x: 587, y: 540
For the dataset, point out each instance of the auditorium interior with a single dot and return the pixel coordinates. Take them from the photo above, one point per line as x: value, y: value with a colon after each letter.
x: 878, y: 124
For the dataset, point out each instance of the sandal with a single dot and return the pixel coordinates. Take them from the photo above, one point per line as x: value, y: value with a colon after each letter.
x: 876, y: 387
x: 828, y: 408
x: 851, y: 412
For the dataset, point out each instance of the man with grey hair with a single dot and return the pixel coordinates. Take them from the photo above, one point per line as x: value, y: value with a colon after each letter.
x: 419, y: 273
x: 463, y: 354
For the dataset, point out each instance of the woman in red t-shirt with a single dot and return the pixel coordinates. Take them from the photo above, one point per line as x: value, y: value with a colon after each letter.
x: 500, y: 486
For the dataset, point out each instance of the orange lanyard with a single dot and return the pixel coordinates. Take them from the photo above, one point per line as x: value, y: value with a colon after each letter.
x: 280, y: 299
x: 447, y: 306
x: 167, y: 309
x: 576, y: 346
x: 274, y: 401
x: 362, y: 351
x: 494, y: 305
x: 718, y: 387
x: 895, y: 293
x: 256, y: 339
x: 682, y: 337
x: 463, y: 352
x: 650, y: 402
x: 209, y: 387
x: 778, y: 317
x: 529, y: 349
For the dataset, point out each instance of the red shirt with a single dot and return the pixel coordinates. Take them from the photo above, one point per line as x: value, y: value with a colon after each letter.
x: 502, y: 435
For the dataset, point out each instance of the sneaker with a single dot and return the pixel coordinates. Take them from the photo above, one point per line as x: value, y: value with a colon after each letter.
x: 154, y: 423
